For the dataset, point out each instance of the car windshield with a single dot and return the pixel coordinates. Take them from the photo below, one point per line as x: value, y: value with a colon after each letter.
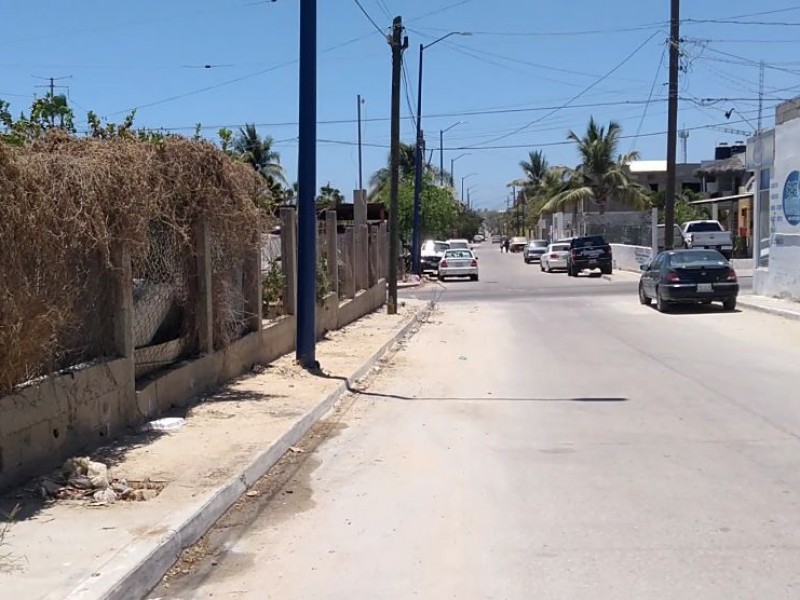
x: 538, y: 244
x: 703, y: 227
x: 458, y: 254
x: 459, y: 245
x: 440, y: 246
x: 697, y: 258
x: 588, y: 242
x: 560, y: 248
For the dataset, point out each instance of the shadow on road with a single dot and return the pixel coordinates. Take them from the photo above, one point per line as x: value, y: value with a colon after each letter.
x: 362, y: 392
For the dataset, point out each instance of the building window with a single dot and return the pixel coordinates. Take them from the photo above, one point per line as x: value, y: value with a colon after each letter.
x: 762, y: 241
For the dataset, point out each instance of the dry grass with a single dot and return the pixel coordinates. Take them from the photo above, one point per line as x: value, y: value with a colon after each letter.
x: 65, y: 203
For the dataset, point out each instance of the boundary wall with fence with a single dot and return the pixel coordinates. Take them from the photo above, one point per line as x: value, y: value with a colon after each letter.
x: 137, y: 275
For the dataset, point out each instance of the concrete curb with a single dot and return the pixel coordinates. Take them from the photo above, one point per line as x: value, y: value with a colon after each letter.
x: 132, y: 572
x: 771, y: 310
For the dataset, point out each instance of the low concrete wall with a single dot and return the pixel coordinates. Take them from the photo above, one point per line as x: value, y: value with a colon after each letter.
x: 44, y: 423
x: 630, y: 258
x: 782, y: 279
x: 365, y: 302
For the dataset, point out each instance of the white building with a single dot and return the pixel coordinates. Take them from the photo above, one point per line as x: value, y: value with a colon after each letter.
x: 775, y: 158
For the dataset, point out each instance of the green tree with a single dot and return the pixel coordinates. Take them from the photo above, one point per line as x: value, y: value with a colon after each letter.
x: 440, y: 209
x: 329, y: 197
x: 684, y: 210
x: 602, y: 176
x: 46, y: 113
x: 379, y: 182
x: 258, y: 152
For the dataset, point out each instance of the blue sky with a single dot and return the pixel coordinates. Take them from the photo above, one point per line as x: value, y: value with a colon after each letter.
x: 530, y: 72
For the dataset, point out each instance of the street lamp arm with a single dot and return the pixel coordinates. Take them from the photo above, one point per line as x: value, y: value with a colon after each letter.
x: 444, y: 37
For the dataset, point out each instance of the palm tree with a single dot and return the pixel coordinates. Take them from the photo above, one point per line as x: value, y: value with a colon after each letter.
x: 379, y: 182
x: 535, y: 169
x: 600, y: 178
x: 258, y: 152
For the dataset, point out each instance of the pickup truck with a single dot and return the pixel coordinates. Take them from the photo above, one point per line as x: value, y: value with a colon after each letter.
x: 709, y: 235
x: 589, y: 252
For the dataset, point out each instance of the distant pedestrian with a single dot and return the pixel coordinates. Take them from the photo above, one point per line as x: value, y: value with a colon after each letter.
x: 506, y: 245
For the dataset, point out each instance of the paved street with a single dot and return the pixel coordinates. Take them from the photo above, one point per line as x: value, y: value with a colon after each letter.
x: 541, y: 437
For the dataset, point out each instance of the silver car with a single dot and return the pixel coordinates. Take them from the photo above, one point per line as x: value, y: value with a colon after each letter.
x: 458, y: 263
x: 555, y: 257
x: 534, y: 250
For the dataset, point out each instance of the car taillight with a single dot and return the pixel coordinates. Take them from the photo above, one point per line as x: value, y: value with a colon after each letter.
x: 575, y: 254
x: 474, y: 263
x: 554, y: 256
x: 672, y: 277
x: 443, y: 263
x: 731, y: 275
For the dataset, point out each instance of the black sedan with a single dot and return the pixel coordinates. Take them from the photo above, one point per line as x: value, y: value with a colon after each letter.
x: 688, y: 276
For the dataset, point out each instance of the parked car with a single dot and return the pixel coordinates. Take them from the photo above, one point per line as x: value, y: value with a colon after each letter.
x: 431, y: 253
x: 534, y: 250
x: 496, y: 239
x: 555, y: 257
x: 517, y: 244
x: 458, y: 263
x: 478, y: 239
x: 688, y: 276
x: 708, y: 235
x: 589, y: 252
x: 459, y: 244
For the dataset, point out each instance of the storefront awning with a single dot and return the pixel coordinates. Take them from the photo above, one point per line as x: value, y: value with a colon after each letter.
x: 723, y: 199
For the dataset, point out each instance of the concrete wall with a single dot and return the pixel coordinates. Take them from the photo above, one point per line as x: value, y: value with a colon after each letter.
x: 44, y: 423
x: 630, y: 258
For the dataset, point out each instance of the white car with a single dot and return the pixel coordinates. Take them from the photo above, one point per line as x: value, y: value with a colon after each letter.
x: 458, y: 263
x: 555, y: 257
x: 459, y: 244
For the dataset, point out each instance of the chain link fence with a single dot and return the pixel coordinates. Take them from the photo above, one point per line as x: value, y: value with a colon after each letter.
x: 164, y: 325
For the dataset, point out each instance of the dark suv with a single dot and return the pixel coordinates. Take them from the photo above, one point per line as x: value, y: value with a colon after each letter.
x: 589, y: 252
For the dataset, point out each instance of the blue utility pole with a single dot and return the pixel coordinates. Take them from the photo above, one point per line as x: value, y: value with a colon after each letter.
x: 307, y: 179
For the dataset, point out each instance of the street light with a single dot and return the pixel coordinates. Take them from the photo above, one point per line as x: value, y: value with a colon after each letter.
x: 441, y: 150
x: 452, y: 168
x: 415, y: 241
x: 469, y: 196
x: 464, y: 178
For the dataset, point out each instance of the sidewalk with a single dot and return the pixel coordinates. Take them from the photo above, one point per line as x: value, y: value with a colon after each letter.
x: 78, y: 550
x: 774, y: 306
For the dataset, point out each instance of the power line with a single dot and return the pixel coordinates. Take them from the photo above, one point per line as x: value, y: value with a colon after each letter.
x: 581, y: 93
x: 235, y: 80
x: 439, y: 10
x: 535, y: 145
x: 570, y: 33
x: 406, y: 89
x: 738, y: 22
x: 649, y: 98
x: 384, y: 8
x: 370, y: 19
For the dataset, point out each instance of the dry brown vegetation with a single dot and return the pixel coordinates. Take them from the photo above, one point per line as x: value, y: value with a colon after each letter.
x: 65, y: 203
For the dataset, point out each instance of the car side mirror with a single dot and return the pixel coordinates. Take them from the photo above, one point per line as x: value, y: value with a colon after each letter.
x: 644, y: 267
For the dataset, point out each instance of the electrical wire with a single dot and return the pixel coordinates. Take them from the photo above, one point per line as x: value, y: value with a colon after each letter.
x: 370, y: 19
x: 439, y: 10
x: 570, y: 33
x: 581, y: 93
x: 235, y: 80
x: 384, y: 8
x: 649, y: 97
x: 407, y: 90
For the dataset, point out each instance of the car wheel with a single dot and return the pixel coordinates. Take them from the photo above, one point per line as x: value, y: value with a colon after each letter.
x: 541, y: 266
x: 643, y: 298
x: 474, y: 277
x: 441, y: 277
x: 607, y: 270
x: 661, y: 304
x: 729, y: 304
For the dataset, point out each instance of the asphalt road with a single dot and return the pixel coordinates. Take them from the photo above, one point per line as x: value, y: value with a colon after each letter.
x: 507, y: 277
x: 542, y: 437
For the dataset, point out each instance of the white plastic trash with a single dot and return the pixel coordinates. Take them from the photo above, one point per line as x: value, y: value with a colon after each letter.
x: 165, y: 424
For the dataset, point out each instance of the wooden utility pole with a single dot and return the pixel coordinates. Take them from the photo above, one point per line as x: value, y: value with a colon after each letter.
x: 672, y: 124
x: 398, y: 43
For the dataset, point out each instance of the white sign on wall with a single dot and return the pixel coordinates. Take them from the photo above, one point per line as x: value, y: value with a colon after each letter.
x: 785, y: 188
